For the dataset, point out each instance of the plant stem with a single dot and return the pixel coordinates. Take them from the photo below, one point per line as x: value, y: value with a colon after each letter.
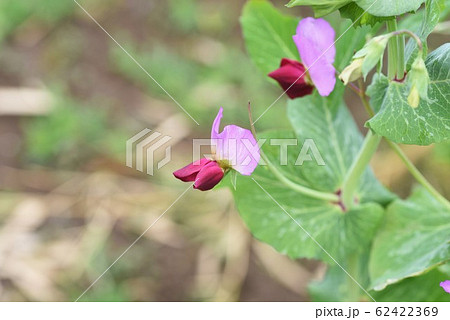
x: 280, y: 176
x: 417, y: 175
x: 360, y: 163
x: 299, y: 188
x: 401, y: 57
x: 392, y: 50
x: 364, y: 98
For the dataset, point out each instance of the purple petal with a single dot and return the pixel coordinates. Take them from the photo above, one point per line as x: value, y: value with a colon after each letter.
x: 189, y: 172
x: 238, y: 146
x: 315, y: 43
x: 216, y: 125
x: 209, y: 176
x: 235, y: 145
x: 445, y: 285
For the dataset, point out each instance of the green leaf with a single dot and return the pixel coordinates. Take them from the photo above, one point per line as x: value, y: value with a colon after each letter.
x: 386, y: 8
x: 424, y: 288
x: 338, y: 140
x: 268, y: 35
x: 336, y: 286
x: 414, y: 238
x: 360, y: 17
x: 380, y: 8
x: 426, y: 124
x: 332, y: 288
x: 430, y: 18
x: 320, y: 7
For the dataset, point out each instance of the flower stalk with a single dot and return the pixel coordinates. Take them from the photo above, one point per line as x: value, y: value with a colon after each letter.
x: 401, y: 67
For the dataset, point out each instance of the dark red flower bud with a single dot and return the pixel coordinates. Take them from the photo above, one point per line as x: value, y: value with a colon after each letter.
x: 206, y: 174
x: 209, y: 176
x: 292, y: 77
x: 189, y: 173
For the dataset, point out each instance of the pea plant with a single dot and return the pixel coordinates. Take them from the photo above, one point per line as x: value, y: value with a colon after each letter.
x: 377, y: 246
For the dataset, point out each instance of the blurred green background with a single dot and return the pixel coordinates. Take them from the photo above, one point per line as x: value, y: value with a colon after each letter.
x: 70, y: 98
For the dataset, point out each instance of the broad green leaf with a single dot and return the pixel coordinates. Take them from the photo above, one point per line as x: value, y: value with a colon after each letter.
x: 359, y: 16
x: 340, y: 233
x: 268, y: 35
x: 415, y: 237
x: 381, y: 8
x: 320, y: 7
x: 424, y: 288
x: 385, y: 8
x: 426, y: 124
x: 430, y: 18
x: 336, y: 286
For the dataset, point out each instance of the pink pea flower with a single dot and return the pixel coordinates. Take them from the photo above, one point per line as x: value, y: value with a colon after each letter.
x: 315, y: 43
x: 445, y: 285
x: 234, y: 148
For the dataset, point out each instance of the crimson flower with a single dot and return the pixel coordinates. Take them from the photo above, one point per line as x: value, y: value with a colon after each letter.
x: 315, y: 43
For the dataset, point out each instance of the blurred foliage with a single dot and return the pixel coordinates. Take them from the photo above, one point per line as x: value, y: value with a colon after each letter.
x: 218, y: 77
x: 71, y: 134
x: 15, y: 12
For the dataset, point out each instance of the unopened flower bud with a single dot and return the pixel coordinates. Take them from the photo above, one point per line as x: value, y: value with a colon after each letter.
x: 352, y: 72
x: 418, y: 80
x: 375, y: 51
x: 414, y: 98
x: 372, y: 52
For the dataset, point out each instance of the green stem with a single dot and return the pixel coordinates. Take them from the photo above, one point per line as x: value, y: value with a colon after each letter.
x: 392, y: 50
x: 417, y: 175
x: 292, y: 185
x: 299, y: 188
x: 360, y: 163
x: 363, y: 96
x: 401, y: 57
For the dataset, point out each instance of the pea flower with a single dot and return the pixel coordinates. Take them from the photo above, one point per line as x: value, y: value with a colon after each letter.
x: 445, y: 285
x: 234, y: 148
x: 315, y: 43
